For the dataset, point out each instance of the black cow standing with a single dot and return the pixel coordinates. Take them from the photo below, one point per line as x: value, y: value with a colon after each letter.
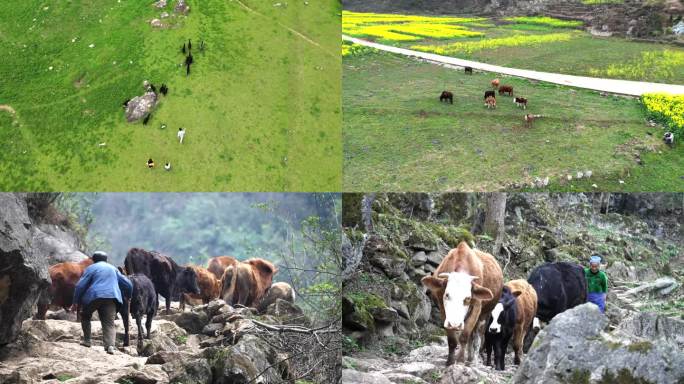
x: 189, y: 45
x: 468, y: 70
x: 446, y: 96
x: 153, y: 88
x: 498, y: 339
x: 147, y: 118
x: 489, y: 93
x: 143, y: 302
x: 183, y: 49
x: 559, y: 286
x: 164, y: 89
x: 125, y: 103
x: 170, y: 279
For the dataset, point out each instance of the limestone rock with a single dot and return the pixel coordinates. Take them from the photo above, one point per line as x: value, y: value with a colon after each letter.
x: 140, y: 106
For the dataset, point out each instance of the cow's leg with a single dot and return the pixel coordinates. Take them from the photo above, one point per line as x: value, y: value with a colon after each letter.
x: 182, y: 302
x: 452, y: 340
x: 168, y: 304
x: 138, y: 322
x: 500, y: 353
x: 148, y: 323
x: 471, y: 330
x: 518, y: 337
x: 463, y: 344
x: 488, y: 350
x: 42, y: 310
x: 125, y: 310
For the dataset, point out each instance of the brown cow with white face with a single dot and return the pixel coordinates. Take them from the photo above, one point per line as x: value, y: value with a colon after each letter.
x: 466, y: 286
x: 217, y: 265
x: 246, y: 282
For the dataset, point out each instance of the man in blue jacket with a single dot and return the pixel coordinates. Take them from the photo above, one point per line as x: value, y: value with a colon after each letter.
x: 100, y: 289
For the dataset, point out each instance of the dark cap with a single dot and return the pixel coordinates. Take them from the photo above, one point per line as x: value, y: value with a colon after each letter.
x: 99, y: 256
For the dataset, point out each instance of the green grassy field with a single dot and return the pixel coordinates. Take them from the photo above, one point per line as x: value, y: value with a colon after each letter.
x: 399, y: 137
x: 261, y: 107
x: 581, y: 54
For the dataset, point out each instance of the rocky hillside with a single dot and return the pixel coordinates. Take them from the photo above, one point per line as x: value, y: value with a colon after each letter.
x: 393, y: 328
x: 632, y: 18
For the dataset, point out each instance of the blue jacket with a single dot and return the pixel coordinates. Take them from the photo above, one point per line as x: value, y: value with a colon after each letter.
x: 102, y: 281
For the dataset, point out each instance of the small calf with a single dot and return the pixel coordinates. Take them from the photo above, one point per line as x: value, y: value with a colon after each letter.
x: 490, y: 102
x: 669, y: 138
x: 520, y: 102
x: 489, y: 94
x: 468, y: 70
x: 506, y: 89
x: 446, y: 96
x: 495, y: 83
x: 529, y: 119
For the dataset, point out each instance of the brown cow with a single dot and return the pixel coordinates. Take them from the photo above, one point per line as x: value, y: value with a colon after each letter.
x: 512, y: 317
x: 529, y: 119
x: 490, y: 102
x: 465, y: 304
x: 217, y: 265
x: 277, y: 291
x: 246, y: 282
x: 506, y: 89
x: 209, y: 287
x: 64, y: 278
x: 495, y: 83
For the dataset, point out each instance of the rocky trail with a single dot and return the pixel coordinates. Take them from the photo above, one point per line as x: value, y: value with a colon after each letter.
x: 212, y: 343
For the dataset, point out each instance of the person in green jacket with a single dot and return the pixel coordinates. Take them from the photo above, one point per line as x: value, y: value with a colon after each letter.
x: 597, y: 283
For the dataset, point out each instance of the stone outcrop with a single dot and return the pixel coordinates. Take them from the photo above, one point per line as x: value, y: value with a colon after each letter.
x: 23, y: 272
x: 575, y: 348
x: 140, y: 106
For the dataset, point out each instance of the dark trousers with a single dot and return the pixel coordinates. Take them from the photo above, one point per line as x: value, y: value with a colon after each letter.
x: 106, y: 310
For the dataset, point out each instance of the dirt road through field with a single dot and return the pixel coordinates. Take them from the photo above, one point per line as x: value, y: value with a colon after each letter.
x: 624, y: 87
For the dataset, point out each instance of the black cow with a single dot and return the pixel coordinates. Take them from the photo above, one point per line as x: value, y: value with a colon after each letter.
x: 125, y: 103
x: 498, y: 334
x: 170, y: 279
x: 153, y: 88
x: 189, y: 59
x: 189, y: 45
x: 489, y: 93
x: 446, y: 96
x: 147, y: 118
x: 183, y: 49
x: 559, y: 286
x: 468, y: 70
x: 142, y: 302
x: 164, y: 89
x: 187, y: 70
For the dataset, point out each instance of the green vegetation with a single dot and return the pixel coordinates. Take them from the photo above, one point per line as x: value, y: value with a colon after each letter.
x: 641, y: 347
x: 544, y: 20
x: 181, y: 339
x: 398, y: 136
x: 537, y: 43
x: 623, y: 376
x: 259, y: 106
x: 65, y: 376
x: 666, y: 109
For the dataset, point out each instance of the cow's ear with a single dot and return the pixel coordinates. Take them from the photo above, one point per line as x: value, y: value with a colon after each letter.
x: 264, y: 266
x: 481, y: 293
x: 433, y: 283
x: 516, y: 293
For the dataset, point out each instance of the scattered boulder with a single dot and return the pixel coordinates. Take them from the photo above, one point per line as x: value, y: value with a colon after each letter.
x: 193, y: 321
x: 182, y: 7
x: 574, y: 348
x: 140, y: 106
x: 156, y: 23
x: 653, y: 327
x: 160, y: 4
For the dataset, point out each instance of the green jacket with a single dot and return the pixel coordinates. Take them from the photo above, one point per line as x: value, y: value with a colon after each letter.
x: 596, y: 282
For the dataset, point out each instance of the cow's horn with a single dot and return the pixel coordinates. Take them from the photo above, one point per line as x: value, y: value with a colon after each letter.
x: 474, y: 277
x: 444, y: 275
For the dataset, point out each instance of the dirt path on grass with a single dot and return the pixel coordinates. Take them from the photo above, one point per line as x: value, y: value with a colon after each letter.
x: 5, y: 107
x: 299, y: 34
x: 624, y: 87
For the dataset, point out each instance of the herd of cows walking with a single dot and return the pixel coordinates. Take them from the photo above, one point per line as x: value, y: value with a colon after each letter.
x: 475, y: 303
x: 239, y: 283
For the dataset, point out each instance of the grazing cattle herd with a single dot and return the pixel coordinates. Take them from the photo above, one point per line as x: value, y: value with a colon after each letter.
x: 490, y: 98
x: 248, y: 284
x: 475, y: 304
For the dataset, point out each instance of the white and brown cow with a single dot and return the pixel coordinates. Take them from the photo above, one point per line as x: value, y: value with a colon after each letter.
x: 466, y: 286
